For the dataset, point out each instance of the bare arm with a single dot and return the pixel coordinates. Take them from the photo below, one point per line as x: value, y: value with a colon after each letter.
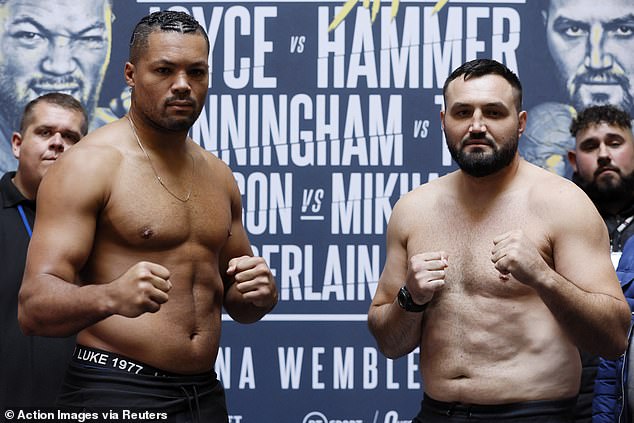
x: 582, y: 290
x: 595, y: 321
x: 396, y: 330
x: 52, y: 302
x: 250, y: 290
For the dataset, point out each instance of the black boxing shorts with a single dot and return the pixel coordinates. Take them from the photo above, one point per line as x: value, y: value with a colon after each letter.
x: 559, y: 411
x: 100, y: 381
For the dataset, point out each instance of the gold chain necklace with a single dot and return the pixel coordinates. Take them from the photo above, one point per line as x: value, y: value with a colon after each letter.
x: 191, y: 186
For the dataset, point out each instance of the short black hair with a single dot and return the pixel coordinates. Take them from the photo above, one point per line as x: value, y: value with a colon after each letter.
x: 65, y: 101
x: 165, y: 20
x: 605, y: 113
x: 481, y: 67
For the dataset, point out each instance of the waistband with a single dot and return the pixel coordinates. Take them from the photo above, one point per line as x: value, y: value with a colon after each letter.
x: 517, y: 409
x: 97, y: 358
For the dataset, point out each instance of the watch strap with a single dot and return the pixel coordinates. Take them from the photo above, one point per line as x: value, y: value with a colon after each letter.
x: 406, y: 302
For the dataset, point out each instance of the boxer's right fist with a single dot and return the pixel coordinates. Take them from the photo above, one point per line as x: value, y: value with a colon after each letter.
x: 141, y: 289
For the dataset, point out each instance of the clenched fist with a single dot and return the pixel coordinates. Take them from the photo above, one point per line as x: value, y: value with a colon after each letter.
x: 514, y: 254
x: 426, y: 275
x: 143, y: 288
x: 253, y: 280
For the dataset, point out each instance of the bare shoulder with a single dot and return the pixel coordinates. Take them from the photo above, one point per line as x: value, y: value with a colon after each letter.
x: 427, y: 193
x: 423, y: 202
x: 90, y: 165
x: 556, y: 198
x: 100, y: 147
x: 213, y: 162
x: 214, y: 168
x: 547, y: 186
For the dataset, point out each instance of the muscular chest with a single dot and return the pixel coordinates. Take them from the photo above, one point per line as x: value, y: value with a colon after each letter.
x: 146, y: 215
x: 468, y: 239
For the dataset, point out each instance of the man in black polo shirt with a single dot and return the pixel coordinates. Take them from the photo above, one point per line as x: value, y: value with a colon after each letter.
x: 31, y: 367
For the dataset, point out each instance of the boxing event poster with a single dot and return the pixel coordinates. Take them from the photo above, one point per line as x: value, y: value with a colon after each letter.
x: 327, y: 115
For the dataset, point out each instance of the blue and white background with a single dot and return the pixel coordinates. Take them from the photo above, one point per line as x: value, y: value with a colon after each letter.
x: 325, y: 130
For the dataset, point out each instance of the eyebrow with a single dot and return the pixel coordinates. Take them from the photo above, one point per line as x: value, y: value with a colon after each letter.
x: 40, y: 27
x: 608, y: 136
x: 55, y: 128
x: 166, y: 62
x: 561, y: 21
x: 624, y: 20
x: 564, y: 21
x: 490, y: 104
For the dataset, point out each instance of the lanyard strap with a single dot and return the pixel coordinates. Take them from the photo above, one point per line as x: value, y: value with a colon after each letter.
x: 616, y: 245
x: 25, y: 221
x: 624, y: 225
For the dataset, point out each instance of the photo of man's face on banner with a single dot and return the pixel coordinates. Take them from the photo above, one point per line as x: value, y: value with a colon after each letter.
x: 589, y: 43
x: 58, y: 46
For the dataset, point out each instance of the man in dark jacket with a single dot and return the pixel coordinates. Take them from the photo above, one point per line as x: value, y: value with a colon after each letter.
x: 603, y: 164
x: 614, y: 394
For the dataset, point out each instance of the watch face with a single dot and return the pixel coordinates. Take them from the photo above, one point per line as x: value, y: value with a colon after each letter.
x: 403, y: 296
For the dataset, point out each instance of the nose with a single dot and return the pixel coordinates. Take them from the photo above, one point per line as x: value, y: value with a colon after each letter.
x: 181, y: 83
x: 59, y: 57
x: 477, y: 123
x: 603, y: 157
x: 57, y: 143
x: 596, y: 56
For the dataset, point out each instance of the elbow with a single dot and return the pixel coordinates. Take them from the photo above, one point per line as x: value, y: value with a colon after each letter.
x: 620, y: 341
x: 614, y: 353
x: 387, y: 349
x: 623, y: 340
x: 390, y: 353
x: 28, y: 320
x: 624, y: 334
x: 391, y: 350
x: 31, y: 325
x: 27, y: 325
x: 26, y: 329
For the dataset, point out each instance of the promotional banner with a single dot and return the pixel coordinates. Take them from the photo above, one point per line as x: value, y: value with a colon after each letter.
x: 325, y: 129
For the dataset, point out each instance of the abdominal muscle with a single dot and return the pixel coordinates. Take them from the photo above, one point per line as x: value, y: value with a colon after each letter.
x: 493, y: 351
x: 182, y: 337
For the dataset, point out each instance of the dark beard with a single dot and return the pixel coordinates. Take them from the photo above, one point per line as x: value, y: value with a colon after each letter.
x: 588, y: 78
x: 479, y: 164
x: 603, y: 195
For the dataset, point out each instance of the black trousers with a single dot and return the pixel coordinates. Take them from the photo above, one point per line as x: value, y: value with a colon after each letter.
x: 433, y: 411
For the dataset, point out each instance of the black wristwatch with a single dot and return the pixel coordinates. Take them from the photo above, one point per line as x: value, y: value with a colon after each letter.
x: 406, y: 302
